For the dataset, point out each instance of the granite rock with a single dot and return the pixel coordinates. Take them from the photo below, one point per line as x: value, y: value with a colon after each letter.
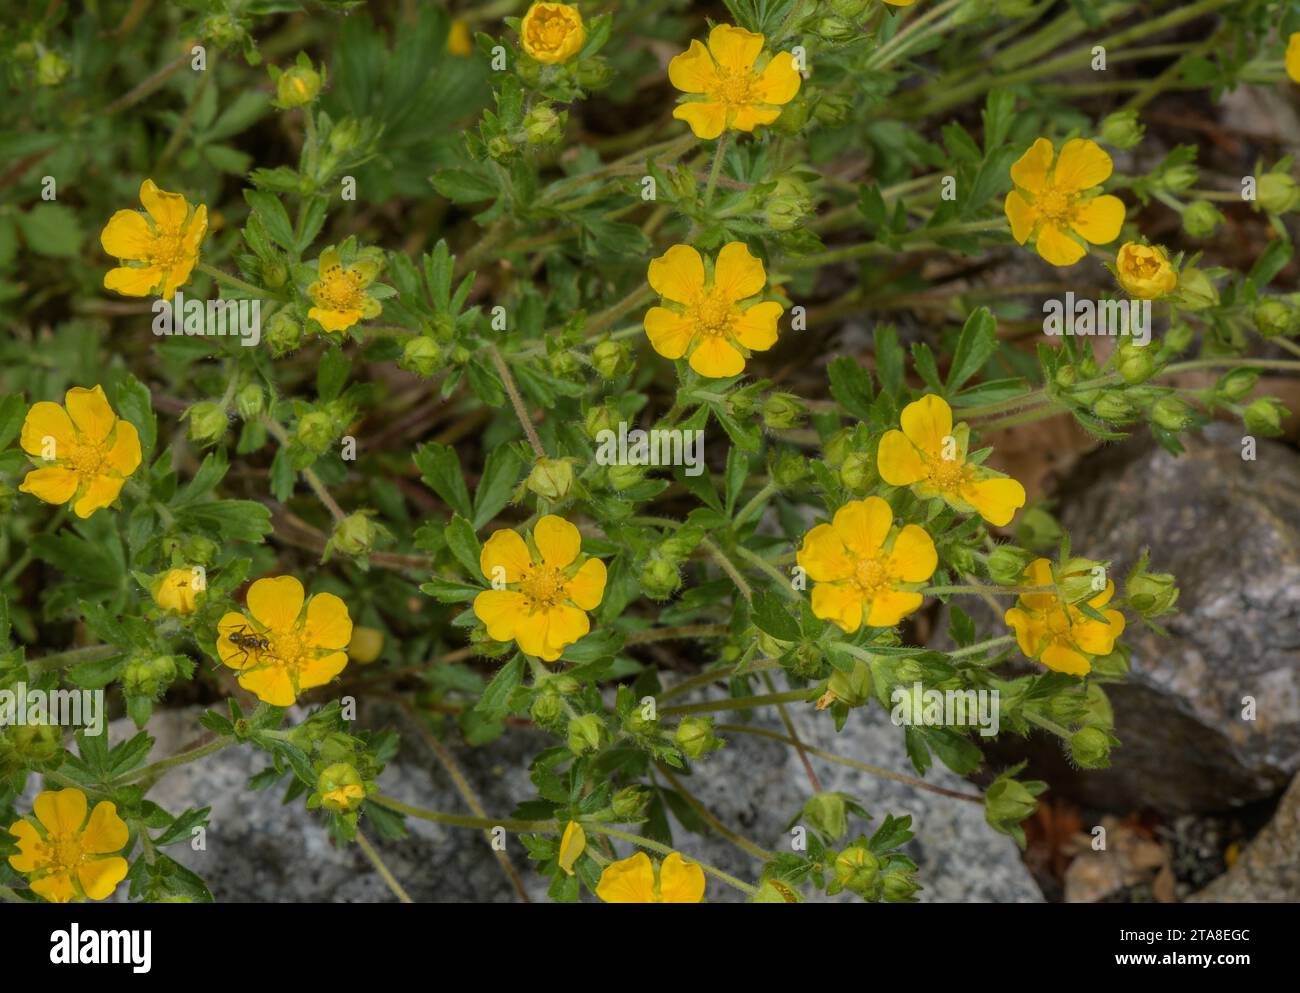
x: 1268, y: 871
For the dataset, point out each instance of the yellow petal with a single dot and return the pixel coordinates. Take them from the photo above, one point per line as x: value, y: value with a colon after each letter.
x: 927, y: 423
x: 1039, y: 573
x: 863, y: 525
x: 101, y: 493
x: 168, y: 210
x: 334, y: 320
x: 1099, y: 220
x: 321, y: 669
x: 499, y: 610
x: 531, y: 635
x: 891, y: 606
x: 996, y: 499
x: 124, y: 455
x: 47, y: 420
x: 127, y: 235
x: 1104, y: 597
x: 100, y: 877
x: 1293, y: 57
x: 270, y: 684
x: 53, y: 485
x: 230, y: 653
x: 106, y: 832
x: 328, y: 623
x: 1062, y: 658
x: 572, y: 844
x: 746, y: 117
x: 693, y: 70
x: 133, y: 282
x: 587, y: 587
x: 1082, y: 165
x: 276, y: 603
x: 176, y: 276
x: 61, y: 811
x: 734, y: 49
x: 504, y: 551
x: 779, y: 81
x: 90, y: 412
x: 913, y: 557
x: 564, y: 626
x: 630, y: 880
x: 678, y: 274
x: 898, y: 461
x: 842, y: 605
x: 706, y: 118
x: 669, y: 332
x: 1095, y: 637
x: 194, y: 233
x: 56, y: 888
x: 1029, y: 631
x: 29, y: 844
x: 755, y: 328
x: 680, y: 881
x: 1030, y: 170
x: 716, y: 358
x: 737, y: 274
x: 1057, y: 247
x: 1022, y: 215
x: 558, y: 541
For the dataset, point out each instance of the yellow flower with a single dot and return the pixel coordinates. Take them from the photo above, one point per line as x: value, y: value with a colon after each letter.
x: 929, y: 455
x: 282, y: 649
x: 1052, y: 202
x: 1144, y: 271
x: 1293, y: 57
x: 165, y: 247
x: 339, y: 292
x: 632, y: 880
x: 1060, y: 635
x: 66, y: 857
x: 539, y: 600
x: 730, y: 91
x: 459, y: 40
x: 708, y: 321
x: 858, y: 564
x: 87, y: 451
x: 572, y: 845
x: 178, y: 590
x: 552, y: 32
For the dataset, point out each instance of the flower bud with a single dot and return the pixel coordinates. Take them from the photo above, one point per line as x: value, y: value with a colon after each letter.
x: 148, y: 677
x: 602, y: 418
x: 208, y: 422
x: 827, y: 814
x: 283, y: 334
x: 1151, y: 594
x: 659, y: 578
x: 1277, y: 193
x: 1195, y: 290
x: 695, y: 737
x: 833, y: 109
x: 354, y: 535
x: 898, y: 886
x: 1122, y: 129
x: 622, y: 477
x: 1201, y: 219
x: 856, y: 473
x: 250, y: 402
x: 1264, y: 416
x: 1038, y: 530
x: 1066, y: 375
x: 1008, y: 802
x: 787, y: 205
x: 543, y: 126
x: 177, y: 590
x: 1236, y: 384
x: 422, y: 356
x: 585, y: 733
x: 366, y: 646
x: 630, y: 803
x: 771, y: 648
x: 1178, y: 337
x: 776, y: 891
x: 1179, y: 177
x: 1144, y: 271
x: 1136, y: 363
x: 612, y: 359
x: 835, y: 29
x: 681, y: 543
x: 297, y: 86
x: 37, y: 744
x: 344, y: 137
x: 857, y: 870
x: 1090, y: 748
x: 315, y: 431
x: 51, y: 69
x: 1007, y: 564
x: 341, y: 788
x: 551, y: 479
x: 782, y: 411
x: 1112, y: 406
x: 850, y: 9
x: 1274, y: 318
x: 789, y: 469
x: 837, y: 447
x: 547, y: 708
x: 1171, y: 413
x: 853, y: 689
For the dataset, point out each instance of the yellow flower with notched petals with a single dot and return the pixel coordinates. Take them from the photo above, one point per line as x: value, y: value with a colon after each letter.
x: 1060, y: 635
x: 86, y: 451
x: 929, y: 455
x: 164, y: 247
x: 66, y: 857
x: 552, y: 32
x: 1293, y: 57
x: 730, y: 92
x: 707, y: 320
x: 1053, y: 203
x: 281, y: 649
x: 1145, y: 271
x: 632, y: 880
x: 859, y: 564
x: 539, y: 600
x: 339, y: 293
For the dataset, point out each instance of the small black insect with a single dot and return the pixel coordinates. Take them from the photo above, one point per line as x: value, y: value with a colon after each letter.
x: 249, y: 643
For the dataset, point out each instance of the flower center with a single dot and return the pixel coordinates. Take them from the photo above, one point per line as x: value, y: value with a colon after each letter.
x: 1055, y: 205
x: 167, y: 250
x: 63, y: 853
x: 339, y: 289
x: 86, y: 460
x: 872, y: 575
x: 734, y: 87
x: 287, y: 649
x: 713, y: 315
x: 543, y: 585
x: 548, y: 30
x: 1143, y: 266
x: 946, y: 475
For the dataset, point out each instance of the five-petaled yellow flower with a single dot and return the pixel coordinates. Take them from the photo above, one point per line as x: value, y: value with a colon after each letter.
x: 1060, y: 635
x: 541, y: 593
x: 86, y: 451
x: 707, y: 321
x: 929, y: 455
x: 281, y: 649
x: 552, y: 32
x: 1145, y: 271
x: 726, y: 89
x: 164, y: 248
x: 339, y: 293
x: 860, y: 564
x: 1053, y: 202
x: 632, y: 880
x: 1293, y: 57
x: 66, y: 857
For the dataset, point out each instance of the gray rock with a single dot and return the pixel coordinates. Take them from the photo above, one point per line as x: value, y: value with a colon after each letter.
x: 1268, y: 871
x: 259, y: 849
x: 1229, y: 530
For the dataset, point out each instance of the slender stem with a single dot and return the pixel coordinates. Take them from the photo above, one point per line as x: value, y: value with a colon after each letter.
x: 318, y: 487
x: 982, y: 646
x: 719, y: 153
x: 74, y: 656
x: 714, y: 676
x: 221, y: 276
x: 727, y: 567
x: 517, y: 401
x: 382, y: 869
x: 760, y: 563
x: 738, y: 703
x: 152, y: 773
x: 755, y: 502
x: 794, y: 736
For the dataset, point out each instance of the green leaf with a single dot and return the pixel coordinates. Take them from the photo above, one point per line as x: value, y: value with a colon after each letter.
x: 463, y: 186
x: 464, y: 545
x: 494, y: 704
x: 273, y: 216
x: 332, y: 374
x: 439, y: 467
x: 135, y: 403
x: 497, y: 484
x: 975, y: 346
x: 12, y: 412
x: 851, y: 386
x: 773, y: 616
x: 889, y: 359
x: 51, y: 229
